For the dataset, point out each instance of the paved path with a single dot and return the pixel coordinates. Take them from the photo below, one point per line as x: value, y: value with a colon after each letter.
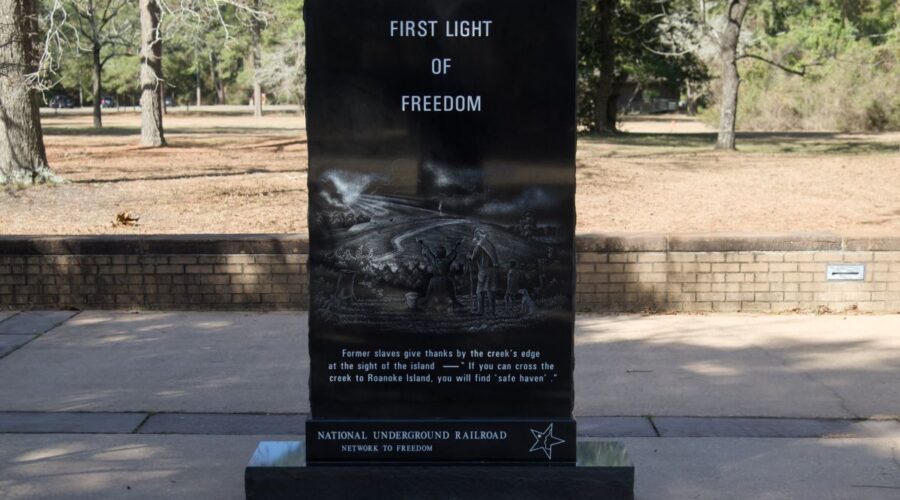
x: 172, y: 362
x: 170, y: 405
x: 739, y: 365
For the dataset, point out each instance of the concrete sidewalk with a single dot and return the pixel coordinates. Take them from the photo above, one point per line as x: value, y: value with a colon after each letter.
x: 170, y: 405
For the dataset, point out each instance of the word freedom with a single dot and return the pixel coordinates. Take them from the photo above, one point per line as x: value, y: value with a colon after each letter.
x: 441, y: 103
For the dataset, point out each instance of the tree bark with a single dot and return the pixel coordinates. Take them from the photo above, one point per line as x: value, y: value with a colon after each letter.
x: 23, y: 159
x: 97, y: 84
x: 217, y: 80
x: 731, y: 79
x: 151, y: 75
x: 256, y: 60
x: 692, y: 99
x: 199, y: 86
x: 774, y: 24
x: 605, y: 105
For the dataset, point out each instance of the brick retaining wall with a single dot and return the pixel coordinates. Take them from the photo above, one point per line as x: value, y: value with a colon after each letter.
x: 734, y: 273
x: 199, y: 272
x: 616, y: 273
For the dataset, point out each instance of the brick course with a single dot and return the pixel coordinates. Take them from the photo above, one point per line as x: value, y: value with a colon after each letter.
x: 198, y: 272
x: 615, y: 273
x: 746, y: 273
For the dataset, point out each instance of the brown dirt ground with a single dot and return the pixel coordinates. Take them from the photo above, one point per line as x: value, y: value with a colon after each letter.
x: 235, y: 174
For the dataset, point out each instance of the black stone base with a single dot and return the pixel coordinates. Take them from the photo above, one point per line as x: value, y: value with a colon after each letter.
x: 278, y: 470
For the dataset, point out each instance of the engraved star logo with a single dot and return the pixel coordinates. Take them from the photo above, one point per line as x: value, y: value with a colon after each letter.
x: 545, y: 441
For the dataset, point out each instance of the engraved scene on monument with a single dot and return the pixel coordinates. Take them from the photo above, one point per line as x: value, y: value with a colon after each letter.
x: 470, y: 259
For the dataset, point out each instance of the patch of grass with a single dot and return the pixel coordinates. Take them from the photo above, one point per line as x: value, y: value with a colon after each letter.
x: 675, y: 141
x: 805, y: 143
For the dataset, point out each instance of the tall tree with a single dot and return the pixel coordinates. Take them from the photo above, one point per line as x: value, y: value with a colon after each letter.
x: 626, y: 42
x: 218, y: 82
x: 23, y: 159
x: 597, y: 64
x: 712, y: 29
x: 256, y: 58
x: 222, y: 32
x: 198, y: 83
x: 103, y: 31
x: 728, y: 41
x: 606, y: 98
x: 151, y: 75
x: 283, y: 72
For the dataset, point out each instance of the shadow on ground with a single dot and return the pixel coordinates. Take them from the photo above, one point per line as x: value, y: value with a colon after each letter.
x: 738, y: 365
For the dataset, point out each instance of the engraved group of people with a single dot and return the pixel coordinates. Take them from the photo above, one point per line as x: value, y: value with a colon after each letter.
x: 485, y: 274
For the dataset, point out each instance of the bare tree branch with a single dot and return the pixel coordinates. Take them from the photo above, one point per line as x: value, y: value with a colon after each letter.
x: 41, y: 78
x: 793, y: 71
x: 667, y: 54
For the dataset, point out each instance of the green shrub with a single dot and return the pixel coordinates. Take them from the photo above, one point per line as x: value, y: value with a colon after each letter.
x: 858, y: 90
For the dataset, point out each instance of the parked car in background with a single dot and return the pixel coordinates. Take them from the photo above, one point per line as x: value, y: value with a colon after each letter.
x: 108, y: 102
x: 61, y: 101
x: 169, y: 102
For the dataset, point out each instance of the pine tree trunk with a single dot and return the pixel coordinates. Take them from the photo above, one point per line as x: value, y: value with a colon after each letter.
x: 256, y: 61
x: 199, y: 87
x: 23, y: 159
x: 605, y: 105
x: 97, y: 85
x: 151, y: 76
x: 731, y: 79
x: 217, y: 80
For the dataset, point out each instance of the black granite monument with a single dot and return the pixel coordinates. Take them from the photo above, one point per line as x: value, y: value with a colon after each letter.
x: 441, y: 214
